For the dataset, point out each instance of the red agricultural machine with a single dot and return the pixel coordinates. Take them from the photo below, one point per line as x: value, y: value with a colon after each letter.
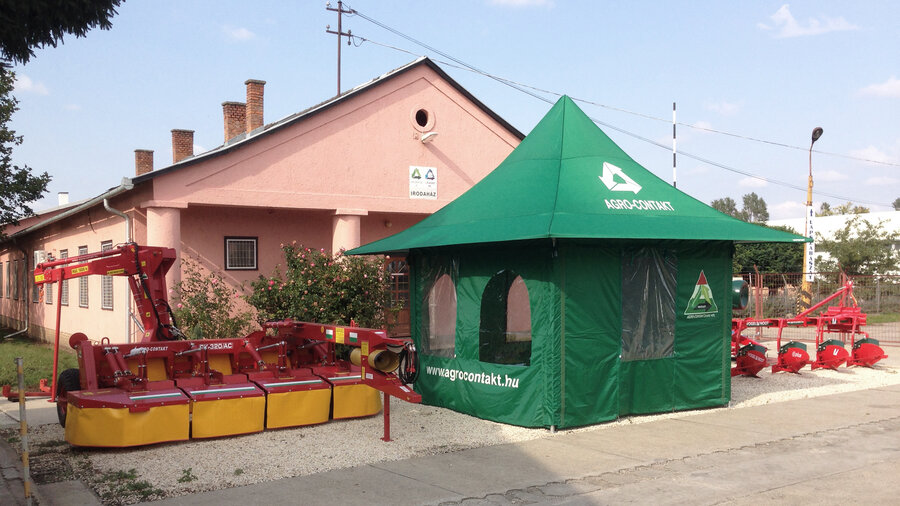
x: 167, y: 388
x: 834, y: 325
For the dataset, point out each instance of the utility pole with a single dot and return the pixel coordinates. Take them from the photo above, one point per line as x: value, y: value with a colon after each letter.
x: 340, y: 10
x: 674, y: 150
x: 809, y: 248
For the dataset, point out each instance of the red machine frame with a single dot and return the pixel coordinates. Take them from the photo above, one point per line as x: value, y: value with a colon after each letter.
x: 165, y: 369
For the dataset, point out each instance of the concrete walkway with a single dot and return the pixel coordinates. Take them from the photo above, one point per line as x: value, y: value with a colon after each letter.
x: 824, y: 450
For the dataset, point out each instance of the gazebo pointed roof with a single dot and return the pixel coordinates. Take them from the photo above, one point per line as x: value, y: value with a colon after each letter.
x: 567, y: 179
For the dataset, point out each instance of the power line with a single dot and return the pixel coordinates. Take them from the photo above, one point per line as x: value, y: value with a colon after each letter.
x: 524, y: 88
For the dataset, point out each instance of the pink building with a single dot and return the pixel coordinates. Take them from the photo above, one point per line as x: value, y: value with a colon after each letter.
x: 353, y: 169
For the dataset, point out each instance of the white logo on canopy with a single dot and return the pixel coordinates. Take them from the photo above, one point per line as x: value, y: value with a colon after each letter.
x: 610, y: 172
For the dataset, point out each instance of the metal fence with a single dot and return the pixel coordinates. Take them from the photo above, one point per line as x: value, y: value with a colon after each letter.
x: 777, y: 295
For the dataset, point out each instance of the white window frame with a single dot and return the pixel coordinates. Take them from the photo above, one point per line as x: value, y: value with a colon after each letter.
x: 248, y: 240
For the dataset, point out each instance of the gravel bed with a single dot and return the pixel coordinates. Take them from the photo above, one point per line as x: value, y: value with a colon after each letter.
x: 193, y: 466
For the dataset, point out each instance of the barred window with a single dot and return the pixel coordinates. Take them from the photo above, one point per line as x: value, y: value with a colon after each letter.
x: 83, y: 282
x: 9, y: 279
x: 64, y: 284
x: 240, y: 253
x: 15, y: 281
x: 106, y: 282
x: 29, y: 276
x: 48, y: 292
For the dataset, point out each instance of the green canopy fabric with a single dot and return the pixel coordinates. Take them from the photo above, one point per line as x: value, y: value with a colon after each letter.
x: 567, y: 179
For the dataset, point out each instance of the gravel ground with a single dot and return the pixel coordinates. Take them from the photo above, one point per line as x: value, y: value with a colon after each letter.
x: 182, y: 468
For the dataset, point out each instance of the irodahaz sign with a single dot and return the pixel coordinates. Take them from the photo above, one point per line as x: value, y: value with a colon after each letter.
x: 422, y: 182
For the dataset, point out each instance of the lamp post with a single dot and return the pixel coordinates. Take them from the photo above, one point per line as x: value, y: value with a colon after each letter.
x: 809, y: 248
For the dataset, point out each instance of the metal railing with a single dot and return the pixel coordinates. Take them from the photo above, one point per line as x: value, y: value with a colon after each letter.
x: 777, y: 295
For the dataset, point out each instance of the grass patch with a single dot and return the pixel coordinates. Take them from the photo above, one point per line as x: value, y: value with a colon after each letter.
x: 187, y: 475
x: 883, y: 318
x: 121, y: 486
x: 38, y: 360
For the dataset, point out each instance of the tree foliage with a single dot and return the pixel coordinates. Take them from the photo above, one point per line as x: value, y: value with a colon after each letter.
x: 754, y: 209
x: 26, y: 25
x: 18, y: 186
x: 896, y: 204
x: 206, y: 307
x: 825, y: 209
x: 320, y: 287
x: 726, y: 205
x: 860, y: 248
x: 769, y: 257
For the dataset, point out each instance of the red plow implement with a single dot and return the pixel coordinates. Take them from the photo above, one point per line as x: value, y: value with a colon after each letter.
x: 835, y: 326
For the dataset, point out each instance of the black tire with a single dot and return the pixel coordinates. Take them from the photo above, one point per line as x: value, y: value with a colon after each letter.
x: 69, y: 381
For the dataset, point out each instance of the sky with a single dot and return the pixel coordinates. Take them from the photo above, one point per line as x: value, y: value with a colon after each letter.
x: 751, y: 80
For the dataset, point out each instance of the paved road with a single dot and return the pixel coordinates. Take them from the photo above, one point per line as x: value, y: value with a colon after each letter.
x: 826, y: 450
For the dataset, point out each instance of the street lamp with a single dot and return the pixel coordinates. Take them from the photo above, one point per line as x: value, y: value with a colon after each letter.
x: 809, y: 249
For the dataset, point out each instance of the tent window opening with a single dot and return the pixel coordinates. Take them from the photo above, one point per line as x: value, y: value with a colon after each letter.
x: 440, y: 318
x: 505, y: 330
x: 649, y: 281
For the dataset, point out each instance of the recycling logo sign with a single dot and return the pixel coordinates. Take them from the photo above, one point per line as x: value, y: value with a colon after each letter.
x: 702, y: 304
x: 422, y: 182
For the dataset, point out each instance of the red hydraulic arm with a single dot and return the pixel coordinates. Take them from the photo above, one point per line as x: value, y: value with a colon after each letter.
x: 146, y: 268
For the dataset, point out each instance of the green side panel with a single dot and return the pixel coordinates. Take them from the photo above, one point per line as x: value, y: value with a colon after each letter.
x: 592, y: 327
x: 646, y: 386
x: 697, y: 374
x: 515, y: 394
x: 702, y: 339
x: 500, y: 393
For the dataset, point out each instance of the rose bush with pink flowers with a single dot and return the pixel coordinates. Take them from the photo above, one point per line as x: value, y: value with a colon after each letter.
x: 317, y: 286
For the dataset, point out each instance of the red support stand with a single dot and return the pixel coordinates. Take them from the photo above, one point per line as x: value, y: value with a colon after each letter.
x: 387, y: 418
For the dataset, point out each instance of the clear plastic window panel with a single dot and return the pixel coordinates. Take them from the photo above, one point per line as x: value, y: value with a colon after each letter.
x: 649, y: 282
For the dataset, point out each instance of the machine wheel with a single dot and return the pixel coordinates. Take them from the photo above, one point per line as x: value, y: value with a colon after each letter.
x: 69, y: 381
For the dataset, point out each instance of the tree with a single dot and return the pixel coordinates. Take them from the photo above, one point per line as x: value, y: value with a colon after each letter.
x: 18, y: 186
x: 37, y: 23
x: 897, y: 204
x: 754, y: 209
x: 849, y: 208
x: 726, y: 205
x: 769, y: 257
x: 860, y: 248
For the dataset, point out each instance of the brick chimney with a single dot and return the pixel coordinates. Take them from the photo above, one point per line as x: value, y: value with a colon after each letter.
x: 143, y: 161
x: 182, y: 145
x: 235, y: 119
x: 254, y: 104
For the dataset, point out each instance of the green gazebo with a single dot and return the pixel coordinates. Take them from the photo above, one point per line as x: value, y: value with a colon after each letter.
x: 572, y: 286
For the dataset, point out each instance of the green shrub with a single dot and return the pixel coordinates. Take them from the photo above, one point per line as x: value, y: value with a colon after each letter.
x: 205, y: 306
x: 320, y: 287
